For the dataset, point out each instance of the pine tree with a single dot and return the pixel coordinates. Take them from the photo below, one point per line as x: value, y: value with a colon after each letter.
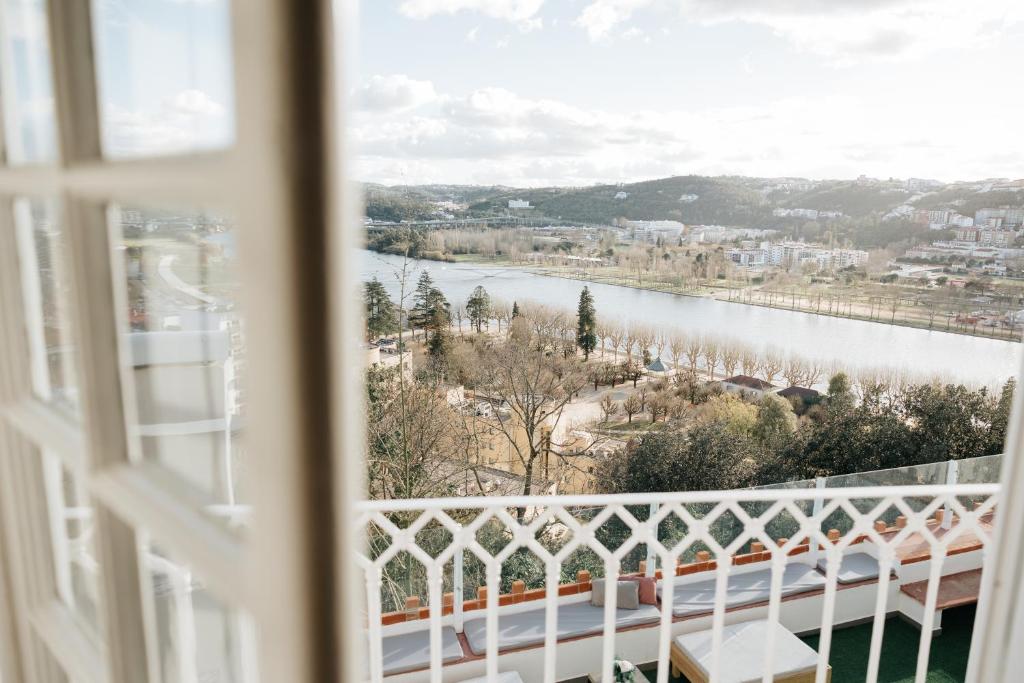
x: 380, y: 311
x: 420, y: 315
x: 515, y: 310
x: 478, y: 307
x: 586, y: 338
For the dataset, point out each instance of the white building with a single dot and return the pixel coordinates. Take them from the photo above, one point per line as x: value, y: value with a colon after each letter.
x: 518, y: 204
x: 650, y: 231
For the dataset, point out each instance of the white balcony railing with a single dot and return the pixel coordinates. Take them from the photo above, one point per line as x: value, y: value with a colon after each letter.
x: 429, y: 551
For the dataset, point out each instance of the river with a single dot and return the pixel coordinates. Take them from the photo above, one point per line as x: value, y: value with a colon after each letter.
x: 850, y: 343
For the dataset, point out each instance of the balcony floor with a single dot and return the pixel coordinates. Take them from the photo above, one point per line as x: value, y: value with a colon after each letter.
x: 948, y: 660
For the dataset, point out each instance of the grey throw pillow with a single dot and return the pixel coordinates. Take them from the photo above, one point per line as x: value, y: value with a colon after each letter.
x: 627, y: 594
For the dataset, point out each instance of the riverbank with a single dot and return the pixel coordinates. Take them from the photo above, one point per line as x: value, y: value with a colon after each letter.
x: 896, y: 311
x: 798, y: 303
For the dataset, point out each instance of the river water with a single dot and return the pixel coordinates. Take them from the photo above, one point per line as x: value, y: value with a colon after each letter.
x: 850, y: 343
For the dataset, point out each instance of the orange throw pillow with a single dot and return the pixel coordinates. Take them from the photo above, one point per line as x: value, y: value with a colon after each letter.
x: 648, y: 588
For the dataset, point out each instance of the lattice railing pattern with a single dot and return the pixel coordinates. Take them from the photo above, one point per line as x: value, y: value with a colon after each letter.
x: 827, y: 521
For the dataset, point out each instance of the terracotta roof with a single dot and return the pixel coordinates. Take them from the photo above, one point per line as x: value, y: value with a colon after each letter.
x: 749, y: 382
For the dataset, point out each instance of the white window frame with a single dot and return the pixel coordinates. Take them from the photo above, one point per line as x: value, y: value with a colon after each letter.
x: 280, y: 180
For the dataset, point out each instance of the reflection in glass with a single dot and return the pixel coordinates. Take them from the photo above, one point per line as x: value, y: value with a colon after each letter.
x: 45, y: 279
x: 29, y: 124
x: 71, y: 532
x: 164, y: 73
x: 199, y: 638
x: 186, y: 344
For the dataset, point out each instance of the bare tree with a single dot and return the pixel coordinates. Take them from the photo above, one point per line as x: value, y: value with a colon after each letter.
x: 629, y: 342
x: 631, y: 406
x: 534, y: 387
x: 660, y: 341
x: 645, y: 336
x: 771, y: 365
x: 814, y: 371
x: 601, y: 330
x: 750, y: 362
x: 616, y: 333
x: 711, y: 354
x: 794, y: 371
x: 694, y: 347
x: 731, y: 352
x: 608, y: 407
x: 677, y: 349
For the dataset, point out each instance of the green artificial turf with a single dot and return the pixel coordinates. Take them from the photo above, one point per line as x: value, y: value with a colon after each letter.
x: 947, y: 661
x: 849, y: 651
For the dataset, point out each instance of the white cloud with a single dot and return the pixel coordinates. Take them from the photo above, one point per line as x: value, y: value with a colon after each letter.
x: 471, y: 34
x: 188, y: 120
x: 493, y: 135
x: 842, y: 31
x: 520, y: 12
x: 601, y: 16
x: 194, y: 103
x: 393, y: 93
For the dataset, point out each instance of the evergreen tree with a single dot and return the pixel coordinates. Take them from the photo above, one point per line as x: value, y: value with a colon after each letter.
x: 380, y: 311
x: 436, y: 311
x: 586, y: 322
x: 478, y: 307
x: 420, y: 314
x: 515, y: 310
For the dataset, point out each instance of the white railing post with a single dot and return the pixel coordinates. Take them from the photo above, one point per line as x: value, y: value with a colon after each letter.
x: 952, y: 474
x: 652, y: 557
x: 457, y: 590
x: 819, y: 503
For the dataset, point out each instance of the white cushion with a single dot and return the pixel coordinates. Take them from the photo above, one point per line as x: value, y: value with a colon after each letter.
x: 741, y: 659
x: 854, y: 567
x: 742, y: 589
x: 411, y: 651
x: 506, y: 677
x: 523, y: 629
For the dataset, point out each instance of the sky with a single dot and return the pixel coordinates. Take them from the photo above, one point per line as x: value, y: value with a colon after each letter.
x: 577, y: 92
x: 163, y: 70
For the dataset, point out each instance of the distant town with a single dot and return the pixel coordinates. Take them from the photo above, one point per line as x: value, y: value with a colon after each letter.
x: 915, y: 252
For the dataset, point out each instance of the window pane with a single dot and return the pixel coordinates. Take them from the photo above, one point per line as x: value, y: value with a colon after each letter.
x: 27, y: 89
x: 164, y: 72
x: 71, y: 531
x: 41, y: 246
x: 198, y: 637
x: 185, y: 341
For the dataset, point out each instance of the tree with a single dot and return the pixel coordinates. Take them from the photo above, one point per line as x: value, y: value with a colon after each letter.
x: 840, y: 393
x: 420, y: 313
x: 586, y: 323
x: 775, y: 423
x: 631, y: 406
x: 410, y: 439
x: 608, y: 407
x: 771, y: 365
x: 515, y: 310
x: 706, y: 458
x: 380, y: 311
x: 534, y: 387
x: 478, y: 307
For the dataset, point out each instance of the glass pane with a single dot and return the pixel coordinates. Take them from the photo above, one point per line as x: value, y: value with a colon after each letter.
x: 29, y: 123
x: 199, y: 638
x: 186, y: 344
x: 164, y: 72
x: 71, y: 531
x: 45, y: 286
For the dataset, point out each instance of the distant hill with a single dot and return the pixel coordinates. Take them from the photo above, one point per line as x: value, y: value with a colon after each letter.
x: 723, y: 200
